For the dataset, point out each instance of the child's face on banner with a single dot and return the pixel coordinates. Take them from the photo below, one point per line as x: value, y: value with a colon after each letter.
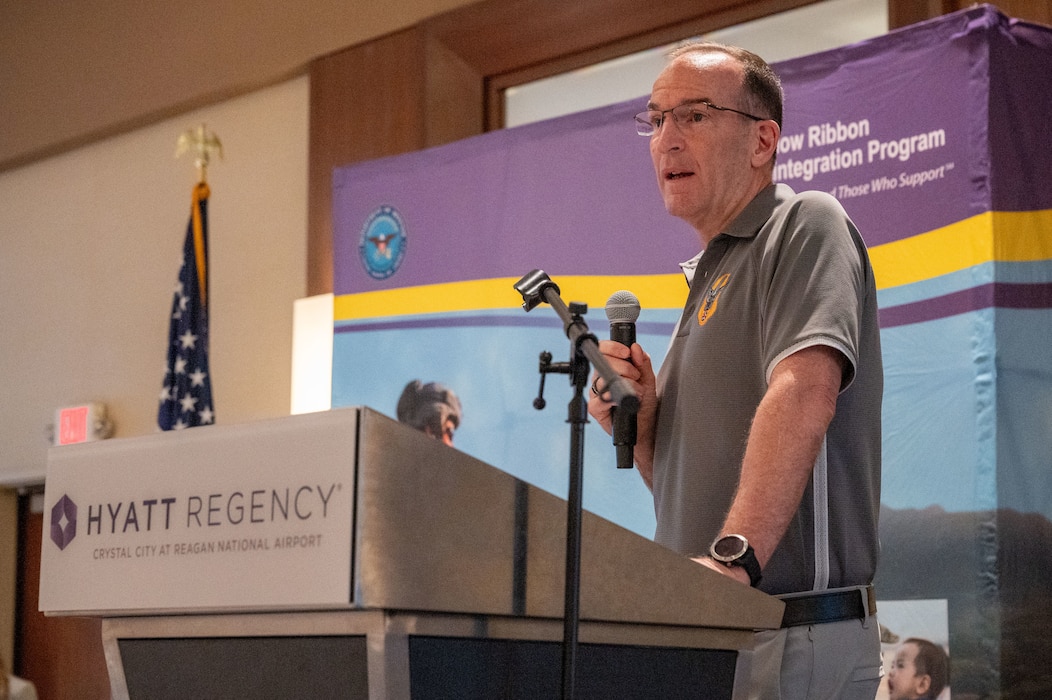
x: 904, y: 683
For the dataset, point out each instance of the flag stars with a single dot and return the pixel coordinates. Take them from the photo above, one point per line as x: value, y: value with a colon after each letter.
x: 185, y: 399
x: 181, y: 303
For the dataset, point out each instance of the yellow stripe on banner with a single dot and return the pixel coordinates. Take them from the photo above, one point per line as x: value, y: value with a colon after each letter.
x: 1020, y: 237
x: 1023, y: 236
x: 988, y: 237
x: 939, y: 252
x: 201, y: 191
x: 653, y: 291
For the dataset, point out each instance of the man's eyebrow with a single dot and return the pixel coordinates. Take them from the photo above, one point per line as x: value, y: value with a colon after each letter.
x: 693, y: 101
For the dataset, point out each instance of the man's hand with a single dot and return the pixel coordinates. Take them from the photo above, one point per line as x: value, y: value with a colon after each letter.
x: 634, y: 365
x: 737, y: 573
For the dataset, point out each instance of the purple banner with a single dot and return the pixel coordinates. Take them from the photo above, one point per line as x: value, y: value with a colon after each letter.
x: 1020, y: 127
x: 894, y: 127
x: 575, y: 195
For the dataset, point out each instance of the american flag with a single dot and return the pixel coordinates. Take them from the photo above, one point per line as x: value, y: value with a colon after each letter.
x: 186, y: 398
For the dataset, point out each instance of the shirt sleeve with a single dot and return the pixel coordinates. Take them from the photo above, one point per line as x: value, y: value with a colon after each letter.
x: 814, y: 268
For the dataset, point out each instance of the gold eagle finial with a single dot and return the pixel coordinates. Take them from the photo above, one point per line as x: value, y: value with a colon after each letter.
x: 202, y: 143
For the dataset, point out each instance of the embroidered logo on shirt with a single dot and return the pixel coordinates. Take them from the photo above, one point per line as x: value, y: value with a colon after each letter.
x: 712, y: 298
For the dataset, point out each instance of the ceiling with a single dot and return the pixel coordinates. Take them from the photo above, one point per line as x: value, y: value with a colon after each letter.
x: 75, y: 72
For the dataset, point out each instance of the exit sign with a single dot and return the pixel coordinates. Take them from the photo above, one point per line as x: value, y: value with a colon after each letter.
x: 77, y: 424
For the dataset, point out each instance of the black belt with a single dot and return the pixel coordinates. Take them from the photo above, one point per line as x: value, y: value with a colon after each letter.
x: 829, y: 606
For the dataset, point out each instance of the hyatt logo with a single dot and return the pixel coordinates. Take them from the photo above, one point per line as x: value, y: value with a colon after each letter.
x: 63, y: 522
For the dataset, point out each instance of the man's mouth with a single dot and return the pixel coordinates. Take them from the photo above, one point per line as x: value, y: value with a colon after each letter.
x: 677, y: 174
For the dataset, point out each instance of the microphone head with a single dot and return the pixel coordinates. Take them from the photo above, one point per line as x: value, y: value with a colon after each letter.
x: 622, y: 307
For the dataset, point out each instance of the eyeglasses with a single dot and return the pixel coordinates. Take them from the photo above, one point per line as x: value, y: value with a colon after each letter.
x: 687, y: 115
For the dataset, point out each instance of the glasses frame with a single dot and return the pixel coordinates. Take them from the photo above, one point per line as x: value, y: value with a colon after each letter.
x: 645, y: 127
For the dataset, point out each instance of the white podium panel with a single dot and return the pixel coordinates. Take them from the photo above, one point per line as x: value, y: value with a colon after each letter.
x: 246, y: 517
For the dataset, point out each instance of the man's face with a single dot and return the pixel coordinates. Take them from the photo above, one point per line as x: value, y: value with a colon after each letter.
x: 704, y: 170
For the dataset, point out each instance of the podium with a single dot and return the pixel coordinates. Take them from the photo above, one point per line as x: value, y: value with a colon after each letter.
x: 342, y: 554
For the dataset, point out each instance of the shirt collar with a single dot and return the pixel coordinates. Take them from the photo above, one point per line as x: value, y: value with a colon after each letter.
x: 758, y: 212
x: 749, y: 222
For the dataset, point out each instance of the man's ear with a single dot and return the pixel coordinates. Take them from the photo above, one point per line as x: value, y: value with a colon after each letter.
x: 766, y: 142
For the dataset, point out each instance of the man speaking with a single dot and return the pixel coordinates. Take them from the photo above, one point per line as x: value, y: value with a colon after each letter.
x: 760, y: 436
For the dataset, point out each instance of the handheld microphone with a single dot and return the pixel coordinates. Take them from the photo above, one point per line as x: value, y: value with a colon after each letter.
x: 622, y: 310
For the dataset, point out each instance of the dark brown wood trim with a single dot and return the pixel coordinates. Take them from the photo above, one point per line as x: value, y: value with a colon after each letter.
x: 902, y: 13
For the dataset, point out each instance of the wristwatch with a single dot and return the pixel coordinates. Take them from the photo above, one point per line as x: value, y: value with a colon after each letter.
x: 734, y: 550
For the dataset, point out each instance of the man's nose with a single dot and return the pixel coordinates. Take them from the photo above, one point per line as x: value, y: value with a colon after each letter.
x: 668, y: 138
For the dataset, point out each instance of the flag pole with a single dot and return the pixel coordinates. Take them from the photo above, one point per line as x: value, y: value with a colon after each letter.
x: 202, y: 143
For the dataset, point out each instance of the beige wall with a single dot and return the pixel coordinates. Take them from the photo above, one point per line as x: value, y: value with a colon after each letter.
x: 92, y: 240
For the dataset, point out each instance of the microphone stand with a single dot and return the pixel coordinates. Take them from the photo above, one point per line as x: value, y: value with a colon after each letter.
x: 536, y: 287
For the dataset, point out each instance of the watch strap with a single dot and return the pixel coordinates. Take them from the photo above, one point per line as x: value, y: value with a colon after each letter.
x: 746, y: 559
x: 751, y: 564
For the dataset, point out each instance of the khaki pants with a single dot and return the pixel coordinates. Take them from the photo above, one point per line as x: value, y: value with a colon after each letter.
x: 831, y: 661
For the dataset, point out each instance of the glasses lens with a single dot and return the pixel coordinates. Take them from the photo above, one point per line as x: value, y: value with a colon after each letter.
x: 688, y: 115
x: 645, y: 122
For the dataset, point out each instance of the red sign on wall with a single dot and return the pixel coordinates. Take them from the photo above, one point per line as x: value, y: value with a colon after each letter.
x: 73, y: 425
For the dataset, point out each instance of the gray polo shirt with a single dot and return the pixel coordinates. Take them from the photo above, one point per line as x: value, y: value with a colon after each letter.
x: 790, y: 272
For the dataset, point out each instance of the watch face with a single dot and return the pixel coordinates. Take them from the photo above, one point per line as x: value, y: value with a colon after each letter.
x: 729, y: 548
